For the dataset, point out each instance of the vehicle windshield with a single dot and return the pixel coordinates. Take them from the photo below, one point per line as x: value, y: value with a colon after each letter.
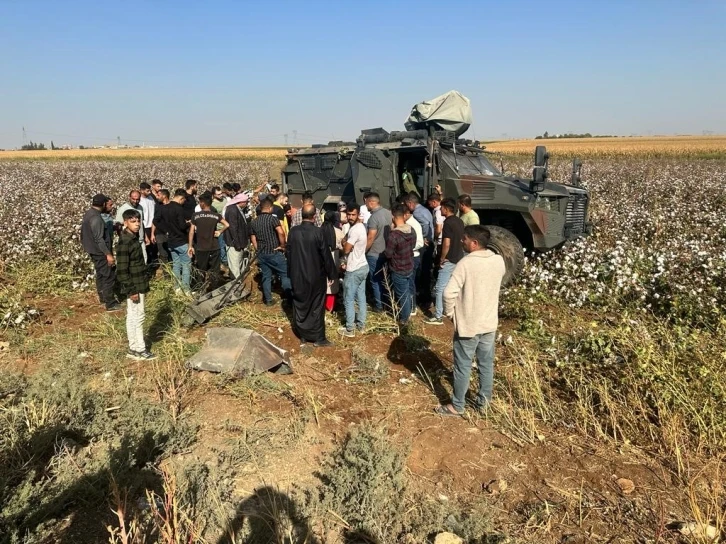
x: 471, y: 165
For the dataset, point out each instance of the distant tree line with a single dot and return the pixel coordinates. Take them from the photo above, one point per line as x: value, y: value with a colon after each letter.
x: 32, y: 146
x: 546, y: 136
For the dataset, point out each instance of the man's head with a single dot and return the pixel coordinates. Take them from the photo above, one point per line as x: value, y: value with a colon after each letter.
x: 99, y: 201
x: 156, y: 186
x: 274, y: 190
x: 236, y: 187
x: 145, y: 189
x: 266, y: 205
x: 227, y: 188
x: 241, y: 200
x: 281, y: 199
x: 180, y: 196
x: 411, y: 200
x: 308, y: 212
x: 191, y: 186
x: 373, y: 201
x: 398, y: 212
x: 476, y: 237
x: 448, y: 207
x: 108, y: 206
x: 134, y: 198
x: 307, y: 198
x: 164, y: 196
x: 464, y: 202
x: 205, y: 200
x: 352, y: 213
x: 132, y: 221
x: 434, y: 200
x: 217, y: 193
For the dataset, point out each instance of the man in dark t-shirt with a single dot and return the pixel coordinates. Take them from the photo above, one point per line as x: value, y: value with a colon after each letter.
x: 452, y: 251
x: 204, y: 225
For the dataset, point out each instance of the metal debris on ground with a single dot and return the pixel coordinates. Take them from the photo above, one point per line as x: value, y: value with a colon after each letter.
x: 239, y: 353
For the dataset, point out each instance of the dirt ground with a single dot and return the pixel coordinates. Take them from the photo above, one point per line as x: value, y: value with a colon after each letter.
x: 557, y: 487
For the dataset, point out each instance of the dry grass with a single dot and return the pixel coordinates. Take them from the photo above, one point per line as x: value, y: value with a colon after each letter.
x: 661, y: 145
x: 243, y: 153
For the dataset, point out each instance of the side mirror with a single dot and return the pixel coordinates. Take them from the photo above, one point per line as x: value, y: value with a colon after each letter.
x: 576, y: 173
x: 539, y: 173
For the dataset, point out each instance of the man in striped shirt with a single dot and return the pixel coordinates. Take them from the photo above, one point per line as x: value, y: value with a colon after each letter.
x: 269, y: 241
x: 307, y: 199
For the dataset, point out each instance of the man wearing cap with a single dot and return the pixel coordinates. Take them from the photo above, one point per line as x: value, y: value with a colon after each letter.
x: 237, y: 236
x: 97, y: 243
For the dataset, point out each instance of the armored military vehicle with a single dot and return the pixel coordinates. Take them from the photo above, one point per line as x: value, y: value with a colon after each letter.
x: 521, y: 213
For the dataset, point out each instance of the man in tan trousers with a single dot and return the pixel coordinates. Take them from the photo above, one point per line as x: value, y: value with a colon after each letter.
x: 471, y: 299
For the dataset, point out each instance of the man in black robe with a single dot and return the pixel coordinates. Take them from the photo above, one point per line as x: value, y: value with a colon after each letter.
x: 310, y: 267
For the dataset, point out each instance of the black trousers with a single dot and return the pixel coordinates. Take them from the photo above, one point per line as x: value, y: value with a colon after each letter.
x: 152, y: 253
x: 208, y: 263
x: 163, y: 254
x: 423, y: 281
x: 105, y: 280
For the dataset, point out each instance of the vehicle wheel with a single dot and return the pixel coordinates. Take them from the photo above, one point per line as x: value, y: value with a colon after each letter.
x: 506, y: 244
x: 540, y: 155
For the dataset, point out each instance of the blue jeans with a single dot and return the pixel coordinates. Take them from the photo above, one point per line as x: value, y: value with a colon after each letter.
x: 222, y: 250
x: 481, y: 345
x: 269, y: 264
x: 412, y: 280
x: 402, y: 289
x: 181, y: 265
x: 376, y: 263
x: 444, y: 276
x: 354, y: 290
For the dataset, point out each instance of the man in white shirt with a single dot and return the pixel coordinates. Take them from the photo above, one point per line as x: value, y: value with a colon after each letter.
x: 471, y: 300
x: 148, y: 204
x: 356, y: 272
x: 133, y: 204
x: 364, y: 212
x: 416, y: 226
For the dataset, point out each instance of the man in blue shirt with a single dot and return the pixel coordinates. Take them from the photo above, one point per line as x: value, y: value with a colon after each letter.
x: 423, y: 216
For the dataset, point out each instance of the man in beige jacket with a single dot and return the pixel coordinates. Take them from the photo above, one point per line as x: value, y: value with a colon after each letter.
x: 471, y: 299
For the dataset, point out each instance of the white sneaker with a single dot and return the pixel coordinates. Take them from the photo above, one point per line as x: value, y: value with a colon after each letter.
x: 413, y: 312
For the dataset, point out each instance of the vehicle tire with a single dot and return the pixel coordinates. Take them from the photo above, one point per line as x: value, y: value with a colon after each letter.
x: 540, y: 155
x: 506, y: 244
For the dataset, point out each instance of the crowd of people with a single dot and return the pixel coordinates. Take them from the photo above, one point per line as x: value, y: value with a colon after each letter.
x: 412, y: 257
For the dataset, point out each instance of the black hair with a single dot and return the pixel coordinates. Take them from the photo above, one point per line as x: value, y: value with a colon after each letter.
x: 373, y: 195
x: 366, y: 195
x: 412, y: 197
x: 236, y: 187
x: 131, y: 214
x: 206, y: 199
x: 215, y: 189
x: 449, y: 204
x: 266, y: 204
x: 398, y: 210
x: 190, y: 183
x: 465, y: 200
x: 274, y: 187
x: 180, y: 192
x: 227, y: 186
x: 353, y: 207
x: 307, y: 195
x: 328, y: 228
x: 479, y: 233
x: 434, y: 196
x: 144, y: 185
x: 164, y: 193
x: 155, y: 181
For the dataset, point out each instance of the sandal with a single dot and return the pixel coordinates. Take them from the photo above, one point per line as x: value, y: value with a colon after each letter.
x: 444, y: 411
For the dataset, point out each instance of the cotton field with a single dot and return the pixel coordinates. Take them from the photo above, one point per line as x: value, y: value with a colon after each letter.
x: 659, y: 243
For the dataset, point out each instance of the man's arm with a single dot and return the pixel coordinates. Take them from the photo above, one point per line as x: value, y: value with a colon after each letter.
x: 445, y: 245
x: 98, y: 229
x: 391, y: 244
x: 253, y: 239
x: 452, y: 290
x: 123, y: 269
x: 192, y: 229
x: 225, y: 226
x: 280, y: 237
x: 371, y: 237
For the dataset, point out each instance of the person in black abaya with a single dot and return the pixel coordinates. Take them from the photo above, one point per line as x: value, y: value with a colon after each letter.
x: 310, y: 267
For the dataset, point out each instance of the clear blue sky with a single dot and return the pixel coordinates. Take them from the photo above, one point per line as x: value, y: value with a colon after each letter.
x: 250, y: 72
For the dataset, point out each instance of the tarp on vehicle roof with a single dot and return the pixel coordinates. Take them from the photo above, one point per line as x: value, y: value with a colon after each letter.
x: 450, y: 111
